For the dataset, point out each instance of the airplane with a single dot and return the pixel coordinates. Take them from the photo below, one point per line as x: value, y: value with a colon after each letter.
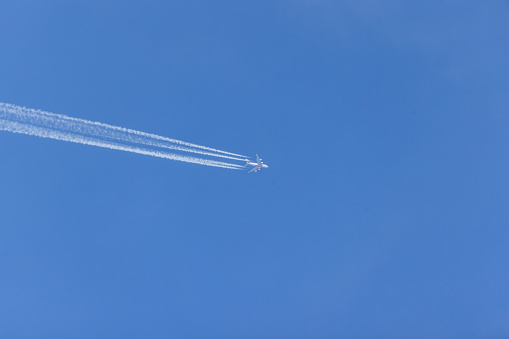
x: 257, y: 165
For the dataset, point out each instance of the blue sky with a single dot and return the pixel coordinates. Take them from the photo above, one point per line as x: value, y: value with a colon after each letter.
x: 384, y: 210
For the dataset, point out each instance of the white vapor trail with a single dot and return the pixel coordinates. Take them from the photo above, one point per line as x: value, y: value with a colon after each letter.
x: 23, y: 120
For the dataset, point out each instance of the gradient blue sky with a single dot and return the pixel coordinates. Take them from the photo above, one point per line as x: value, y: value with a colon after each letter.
x: 384, y: 212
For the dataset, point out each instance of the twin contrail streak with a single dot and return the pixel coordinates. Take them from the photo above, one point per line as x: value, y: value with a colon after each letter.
x: 23, y: 120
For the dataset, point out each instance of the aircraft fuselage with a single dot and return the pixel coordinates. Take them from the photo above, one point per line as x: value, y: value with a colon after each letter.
x: 256, y: 165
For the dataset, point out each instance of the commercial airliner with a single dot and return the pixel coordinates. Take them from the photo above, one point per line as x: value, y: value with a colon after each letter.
x: 257, y: 165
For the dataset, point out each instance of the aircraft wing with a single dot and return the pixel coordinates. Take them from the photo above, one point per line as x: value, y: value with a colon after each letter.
x: 258, y: 160
x: 254, y: 169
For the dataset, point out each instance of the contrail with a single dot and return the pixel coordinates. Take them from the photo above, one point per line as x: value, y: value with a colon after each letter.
x: 23, y: 120
x: 90, y: 124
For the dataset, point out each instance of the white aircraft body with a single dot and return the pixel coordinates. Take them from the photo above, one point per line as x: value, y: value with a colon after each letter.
x: 257, y: 165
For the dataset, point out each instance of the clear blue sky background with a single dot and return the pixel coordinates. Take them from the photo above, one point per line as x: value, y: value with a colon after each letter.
x: 384, y: 212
